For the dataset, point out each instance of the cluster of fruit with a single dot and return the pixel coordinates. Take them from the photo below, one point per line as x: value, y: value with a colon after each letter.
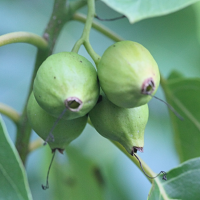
x: 67, y: 89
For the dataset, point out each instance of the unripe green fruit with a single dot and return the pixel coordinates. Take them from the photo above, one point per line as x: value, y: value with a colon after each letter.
x: 127, y: 73
x: 42, y: 123
x: 120, y: 124
x: 68, y: 80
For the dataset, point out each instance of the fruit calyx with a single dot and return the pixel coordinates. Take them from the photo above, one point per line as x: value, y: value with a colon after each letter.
x: 73, y: 103
x: 148, y: 86
x: 135, y: 149
x: 59, y: 149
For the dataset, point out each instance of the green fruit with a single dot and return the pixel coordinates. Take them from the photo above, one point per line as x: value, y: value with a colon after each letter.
x: 120, y: 124
x: 127, y: 73
x: 68, y: 80
x: 42, y: 123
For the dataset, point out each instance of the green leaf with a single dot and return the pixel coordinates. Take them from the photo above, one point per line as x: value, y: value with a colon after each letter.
x: 13, y: 180
x: 79, y: 178
x: 184, y: 96
x: 175, y: 74
x: 136, y: 10
x: 182, y: 183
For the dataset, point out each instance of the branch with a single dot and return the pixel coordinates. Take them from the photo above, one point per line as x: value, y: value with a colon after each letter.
x: 10, y: 113
x: 24, y: 37
x: 35, y: 144
x: 135, y: 161
x: 132, y: 158
x: 99, y: 27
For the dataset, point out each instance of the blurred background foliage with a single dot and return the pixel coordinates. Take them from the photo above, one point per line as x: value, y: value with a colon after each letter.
x: 173, y: 40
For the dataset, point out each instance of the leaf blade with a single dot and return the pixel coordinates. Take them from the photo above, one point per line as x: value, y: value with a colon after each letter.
x: 136, y: 10
x: 182, y: 94
x: 183, y: 182
x: 13, y: 181
x: 79, y: 178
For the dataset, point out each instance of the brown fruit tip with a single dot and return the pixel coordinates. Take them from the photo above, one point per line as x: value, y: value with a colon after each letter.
x: 148, y: 86
x: 60, y: 150
x: 73, y: 103
x: 135, y: 149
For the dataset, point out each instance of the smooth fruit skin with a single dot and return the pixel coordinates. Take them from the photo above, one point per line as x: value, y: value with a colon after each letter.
x: 64, y: 76
x: 65, y: 131
x: 120, y: 124
x: 125, y: 68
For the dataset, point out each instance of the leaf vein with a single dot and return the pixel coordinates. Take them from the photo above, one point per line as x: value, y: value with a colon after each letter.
x: 13, y: 185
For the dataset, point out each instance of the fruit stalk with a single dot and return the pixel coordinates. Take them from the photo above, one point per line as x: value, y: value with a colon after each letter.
x: 86, y: 32
x: 61, y: 14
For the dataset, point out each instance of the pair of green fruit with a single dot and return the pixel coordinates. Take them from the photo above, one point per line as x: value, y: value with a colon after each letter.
x: 127, y: 73
x: 64, y: 81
